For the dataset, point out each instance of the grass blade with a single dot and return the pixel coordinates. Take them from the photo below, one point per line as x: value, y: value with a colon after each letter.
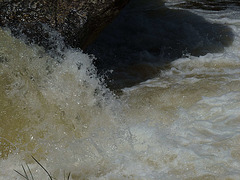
x: 68, y: 178
x: 43, y: 168
x: 30, y: 172
x: 20, y: 174
x: 25, y: 173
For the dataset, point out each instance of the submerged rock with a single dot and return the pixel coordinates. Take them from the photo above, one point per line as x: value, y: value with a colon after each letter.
x: 78, y: 21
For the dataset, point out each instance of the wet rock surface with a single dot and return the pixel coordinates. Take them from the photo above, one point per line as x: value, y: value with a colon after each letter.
x: 78, y: 21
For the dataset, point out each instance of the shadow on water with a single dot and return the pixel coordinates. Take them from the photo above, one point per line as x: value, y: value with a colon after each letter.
x: 147, y: 36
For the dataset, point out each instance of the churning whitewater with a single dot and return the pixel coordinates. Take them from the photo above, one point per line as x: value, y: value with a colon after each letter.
x: 181, y: 122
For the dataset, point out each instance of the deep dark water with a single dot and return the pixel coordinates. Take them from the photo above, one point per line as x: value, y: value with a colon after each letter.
x: 147, y: 36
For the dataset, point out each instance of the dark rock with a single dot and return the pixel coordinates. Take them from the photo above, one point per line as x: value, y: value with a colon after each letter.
x: 78, y: 21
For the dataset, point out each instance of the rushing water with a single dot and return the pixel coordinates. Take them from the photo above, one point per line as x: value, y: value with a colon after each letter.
x: 176, y: 70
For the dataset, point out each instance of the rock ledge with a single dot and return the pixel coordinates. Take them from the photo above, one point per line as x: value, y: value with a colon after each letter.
x: 78, y: 21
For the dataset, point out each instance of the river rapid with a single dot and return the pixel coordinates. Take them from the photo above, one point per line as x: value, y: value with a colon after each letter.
x: 157, y: 96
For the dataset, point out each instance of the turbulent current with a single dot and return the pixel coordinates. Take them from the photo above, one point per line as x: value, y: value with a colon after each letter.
x: 157, y: 96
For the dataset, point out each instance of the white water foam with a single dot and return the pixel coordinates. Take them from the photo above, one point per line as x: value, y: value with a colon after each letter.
x: 182, y: 124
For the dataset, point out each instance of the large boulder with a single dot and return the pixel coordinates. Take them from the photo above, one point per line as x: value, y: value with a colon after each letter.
x: 78, y: 21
